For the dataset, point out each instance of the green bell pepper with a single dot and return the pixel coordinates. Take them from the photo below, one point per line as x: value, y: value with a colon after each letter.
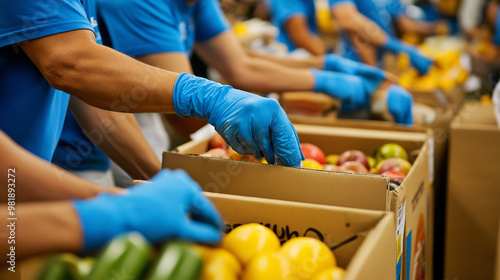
x: 125, y: 257
x: 177, y: 261
x: 61, y: 267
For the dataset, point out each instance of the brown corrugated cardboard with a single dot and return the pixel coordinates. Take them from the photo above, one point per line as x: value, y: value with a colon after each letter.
x: 328, y: 188
x: 497, y: 264
x: 370, y: 256
x: 473, y: 194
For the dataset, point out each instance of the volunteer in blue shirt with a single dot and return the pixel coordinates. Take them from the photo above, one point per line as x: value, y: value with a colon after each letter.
x: 369, y: 24
x: 48, y: 47
x: 369, y: 30
x: 165, y: 33
x: 53, y: 206
x: 296, y: 21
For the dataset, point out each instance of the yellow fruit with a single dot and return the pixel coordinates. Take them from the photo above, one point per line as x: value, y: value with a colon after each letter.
x: 372, y: 162
x: 308, y: 256
x: 218, y: 264
x: 448, y: 59
x: 263, y: 160
x: 312, y: 164
x: 332, y: 159
x: 240, y: 28
x: 335, y: 273
x: 407, y: 78
x: 403, y: 61
x: 411, y: 38
x: 249, y: 240
x: 273, y: 265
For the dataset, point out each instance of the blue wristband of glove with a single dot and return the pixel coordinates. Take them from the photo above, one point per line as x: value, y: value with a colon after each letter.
x: 496, y: 36
x: 196, y: 97
x: 99, y: 221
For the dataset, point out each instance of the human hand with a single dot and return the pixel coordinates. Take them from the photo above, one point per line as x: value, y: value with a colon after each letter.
x: 158, y: 210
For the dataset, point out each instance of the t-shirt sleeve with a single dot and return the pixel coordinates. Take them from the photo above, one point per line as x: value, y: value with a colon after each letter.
x: 141, y: 27
x: 395, y: 8
x: 336, y: 2
x: 283, y: 10
x: 209, y: 20
x: 23, y: 20
x: 496, y: 36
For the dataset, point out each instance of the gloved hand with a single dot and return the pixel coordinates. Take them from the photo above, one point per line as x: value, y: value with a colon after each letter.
x: 250, y: 124
x: 347, y: 66
x: 158, y: 211
x: 353, y: 91
x: 420, y: 62
x: 400, y: 104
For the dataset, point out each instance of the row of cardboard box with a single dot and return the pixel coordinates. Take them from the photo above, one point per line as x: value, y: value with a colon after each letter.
x: 475, y: 150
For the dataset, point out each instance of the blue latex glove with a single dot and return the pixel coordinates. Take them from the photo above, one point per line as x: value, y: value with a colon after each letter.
x: 353, y: 91
x: 400, y: 104
x: 158, y: 211
x: 347, y: 66
x: 250, y: 124
x: 496, y: 36
x: 420, y: 62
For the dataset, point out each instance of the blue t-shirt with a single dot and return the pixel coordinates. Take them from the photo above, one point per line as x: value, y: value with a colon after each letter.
x: 74, y: 150
x: 381, y: 12
x: 283, y: 10
x: 31, y: 111
x: 142, y: 27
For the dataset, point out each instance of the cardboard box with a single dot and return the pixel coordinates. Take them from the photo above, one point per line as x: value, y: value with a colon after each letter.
x: 473, y: 194
x: 370, y: 256
x: 497, y: 265
x: 440, y: 130
x: 409, y: 201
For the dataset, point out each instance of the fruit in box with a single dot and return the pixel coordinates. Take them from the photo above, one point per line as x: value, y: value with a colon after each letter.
x: 217, y: 152
x: 250, y: 240
x: 308, y: 256
x: 391, y: 150
x: 332, y: 159
x: 217, y: 142
x: 354, y: 166
x: 393, y: 164
x: 271, y: 265
x: 334, y: 273
x: 234, y: 155
x: 394, y: 175
x: 312, y: 164
x: 311, y: 151
x: 218, y: 264
x: 353, y: 155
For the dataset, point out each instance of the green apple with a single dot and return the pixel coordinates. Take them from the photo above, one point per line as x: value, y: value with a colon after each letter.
x: 391, y: 150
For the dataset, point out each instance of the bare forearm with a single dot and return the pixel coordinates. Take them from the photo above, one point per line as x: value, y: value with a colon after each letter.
x: 367, y: 53
x: 311, y: 62
x: 36, y: 180
x: 409, y: 25
x: 259, y: 75
x: 119, y: 136
x: 354, y: 22
x: 41, y: 228
x: 86, y: 71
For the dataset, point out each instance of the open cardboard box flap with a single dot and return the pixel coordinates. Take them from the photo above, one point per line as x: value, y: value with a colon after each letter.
x: 370, y: 256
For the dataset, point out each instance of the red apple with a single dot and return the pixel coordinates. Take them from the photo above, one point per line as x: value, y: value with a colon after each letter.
x: 313, y: 152
x: 395, y: 164
x: 218, y: 152
x: 234, y: 155
x: 355, y: 166
x: 353, y: 155
x: 217, y: 142
x: 395, y: 175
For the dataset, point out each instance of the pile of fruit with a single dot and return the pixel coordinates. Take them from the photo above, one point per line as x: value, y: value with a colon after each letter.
x: 248, y: 252
x: 390, y: 159
x: 444, y: 75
